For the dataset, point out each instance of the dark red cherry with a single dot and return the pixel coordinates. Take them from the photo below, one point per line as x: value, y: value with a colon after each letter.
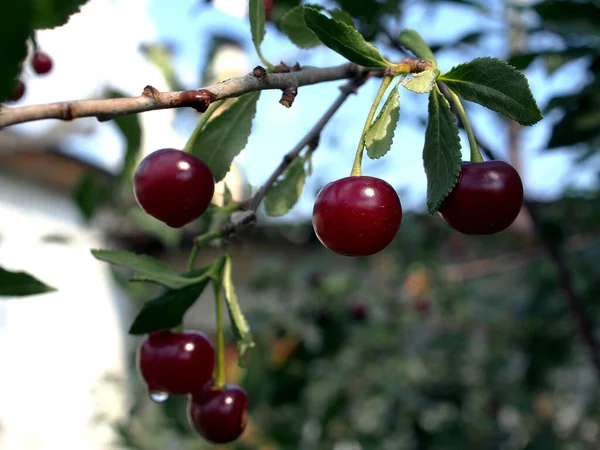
x: 357, y: 216
x: 219, y: 415
x: 173, y: 186
x: 41, y: 63
x: 268, y: 9
x: 18, y: 92
x: 358, y: 312
x: 486, y: 199
x: 175, y: 363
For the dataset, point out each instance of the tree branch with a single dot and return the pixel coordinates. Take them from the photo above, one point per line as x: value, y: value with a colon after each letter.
x: 249, y: 206
x: 151, y: 99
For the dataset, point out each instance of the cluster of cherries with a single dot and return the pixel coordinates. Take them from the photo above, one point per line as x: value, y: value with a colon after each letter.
x: 183, y: 363
x: 352, y: 216
x: 41, y: 64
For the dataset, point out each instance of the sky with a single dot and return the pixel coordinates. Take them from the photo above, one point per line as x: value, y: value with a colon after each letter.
x: 87, y: 59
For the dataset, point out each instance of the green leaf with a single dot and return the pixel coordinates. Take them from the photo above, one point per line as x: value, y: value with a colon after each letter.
x: 224, y: 137
x: 292, y: 24
x: 344, y: 39
x: 89, y: 194
x: 380, y: 135
x: 341, y: 15
x: 20, y: 284
x: 167, y: 310
x: 256, y: 13
x: 16, y: 25
x: 54, y: 13
x: 147, y: 269
x: 494, y: 84
x: 422, y: 82
x: 285, y: 192
x: 241, y: 329
x: 415, y: 43
x: 441, y: 153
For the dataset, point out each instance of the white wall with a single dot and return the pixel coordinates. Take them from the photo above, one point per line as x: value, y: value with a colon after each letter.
x: 56, y: 349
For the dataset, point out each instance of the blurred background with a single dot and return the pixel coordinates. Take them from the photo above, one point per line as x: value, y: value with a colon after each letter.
x: 441, y: 341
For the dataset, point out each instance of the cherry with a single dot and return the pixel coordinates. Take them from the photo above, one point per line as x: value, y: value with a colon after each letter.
x: 486, y: 199
x: 176, y: 363
x: 18, y: 92
x: 268, y: 9
x: 41, y: 62
x: 357, y: 215
x: 358, y: 312
x: 219, y: 415
x: 173, y: 186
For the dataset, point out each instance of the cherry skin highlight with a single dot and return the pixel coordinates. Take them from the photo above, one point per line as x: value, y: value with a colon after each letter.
x: 357, y: 216
x: 486, y: 199
x: 173, y: 186
x: 41, y: 63
x: 18, y: 92
x: 176, y: 363
x: 219, y: 415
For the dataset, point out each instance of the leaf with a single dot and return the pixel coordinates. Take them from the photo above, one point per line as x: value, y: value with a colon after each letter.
x: 167, y: 310
x: 256, y: 13
x: 285, y: 192
x: 16, y: 25
x: 341, y: 15
x: 130, y: 127
x: 147, y: 269
x: 441, y: 153
x: 20, y: 284
x: 380, y: 135
x: 241, y: 329
x: 292, y: 24
x: 344, y: 39
x: 422, y: 82
x: 415, y: 43
x: 224, y: 137
x: 494, y: 84
x: 54, y: 13
x: 89, y: 194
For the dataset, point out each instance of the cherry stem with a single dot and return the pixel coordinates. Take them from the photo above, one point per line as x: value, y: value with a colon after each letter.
x: 357, y: 166
x: 201, y: 241
x: 218, y: 288
x: 462, y: 114
x: 204, y: 118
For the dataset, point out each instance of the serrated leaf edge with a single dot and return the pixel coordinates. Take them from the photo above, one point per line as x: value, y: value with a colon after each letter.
x: 379, y: 116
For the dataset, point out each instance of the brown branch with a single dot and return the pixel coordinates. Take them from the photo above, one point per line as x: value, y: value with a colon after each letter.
x: 151, y: 99
x: 556, y: 256
x: 243, y: 218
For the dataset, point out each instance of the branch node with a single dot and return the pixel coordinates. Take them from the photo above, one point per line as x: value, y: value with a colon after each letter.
x: 199, y: 99
x: 260, y: 72
x: 284, y: 68
x: 417, y: 65
x: 150, y: 91
x: 288, y: 96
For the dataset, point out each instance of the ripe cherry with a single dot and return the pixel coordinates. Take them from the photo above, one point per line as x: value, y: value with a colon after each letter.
x: 175, y: 363
x: 268, y: 9
x: 173, y: 186
x: 357, y: 215
x: 486, y: 199
x: 219, y: 415
x: 18, y: 92
x: 41, y: 62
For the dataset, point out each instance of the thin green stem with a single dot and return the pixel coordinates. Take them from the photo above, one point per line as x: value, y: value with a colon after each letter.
x: 357, y: 166
x: 220, y: 377
x: 189, y: 146
x: 201, y: 241
x: 462, y: 114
